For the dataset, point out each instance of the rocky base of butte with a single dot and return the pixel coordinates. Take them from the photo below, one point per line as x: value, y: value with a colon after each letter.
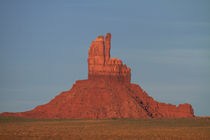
x: 107, y: 93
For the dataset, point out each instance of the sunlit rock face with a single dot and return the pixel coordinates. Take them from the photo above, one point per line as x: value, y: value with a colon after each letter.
x: 100, y: 65
x: 107, y: 93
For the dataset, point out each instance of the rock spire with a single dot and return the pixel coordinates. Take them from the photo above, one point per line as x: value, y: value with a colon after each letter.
x: 101, y: 65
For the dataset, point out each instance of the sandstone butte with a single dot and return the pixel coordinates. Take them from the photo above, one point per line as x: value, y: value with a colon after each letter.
x: 107, y: 93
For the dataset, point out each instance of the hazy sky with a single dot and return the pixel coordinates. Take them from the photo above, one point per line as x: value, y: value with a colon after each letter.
x: 44, y: 48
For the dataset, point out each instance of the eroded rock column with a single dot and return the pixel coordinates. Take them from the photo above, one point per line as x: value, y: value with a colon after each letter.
x: 100, y: 65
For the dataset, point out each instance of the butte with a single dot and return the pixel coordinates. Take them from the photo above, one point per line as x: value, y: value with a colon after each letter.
x: 107, y: 93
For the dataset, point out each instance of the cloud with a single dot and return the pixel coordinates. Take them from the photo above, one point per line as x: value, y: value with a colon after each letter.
x: 178, y: 57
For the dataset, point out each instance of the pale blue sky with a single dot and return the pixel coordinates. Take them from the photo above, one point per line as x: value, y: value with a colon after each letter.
x: 44, y: 48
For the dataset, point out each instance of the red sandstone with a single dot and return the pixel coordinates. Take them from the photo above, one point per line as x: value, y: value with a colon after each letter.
x: 107, y: 93
x: 101, y: 65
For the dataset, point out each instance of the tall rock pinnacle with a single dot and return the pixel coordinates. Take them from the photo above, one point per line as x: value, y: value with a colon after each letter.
x: 108, y: 47
x: 100, y: 65
x: 107, y: 93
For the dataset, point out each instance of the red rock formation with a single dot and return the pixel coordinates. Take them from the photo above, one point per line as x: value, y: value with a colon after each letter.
x: 107, y: 93
x: 100, y: 65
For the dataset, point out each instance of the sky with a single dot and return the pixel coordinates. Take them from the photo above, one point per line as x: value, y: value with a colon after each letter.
x: 44, y: 48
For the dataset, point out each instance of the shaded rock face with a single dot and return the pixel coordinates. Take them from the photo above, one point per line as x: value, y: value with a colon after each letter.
x: 107, y: 93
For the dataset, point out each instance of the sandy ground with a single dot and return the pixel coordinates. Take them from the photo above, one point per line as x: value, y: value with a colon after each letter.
x: 124, y: 129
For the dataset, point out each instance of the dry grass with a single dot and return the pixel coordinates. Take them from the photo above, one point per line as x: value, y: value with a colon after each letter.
x: 120, y: 129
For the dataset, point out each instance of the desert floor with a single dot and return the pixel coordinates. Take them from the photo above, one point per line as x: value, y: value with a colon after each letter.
x: 12, y: 128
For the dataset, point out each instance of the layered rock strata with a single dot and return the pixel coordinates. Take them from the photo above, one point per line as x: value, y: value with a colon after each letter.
x: 100, y: 65
x: 107, y: 93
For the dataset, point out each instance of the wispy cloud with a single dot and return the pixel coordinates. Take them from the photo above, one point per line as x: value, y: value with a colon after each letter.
x: 187, y: 57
